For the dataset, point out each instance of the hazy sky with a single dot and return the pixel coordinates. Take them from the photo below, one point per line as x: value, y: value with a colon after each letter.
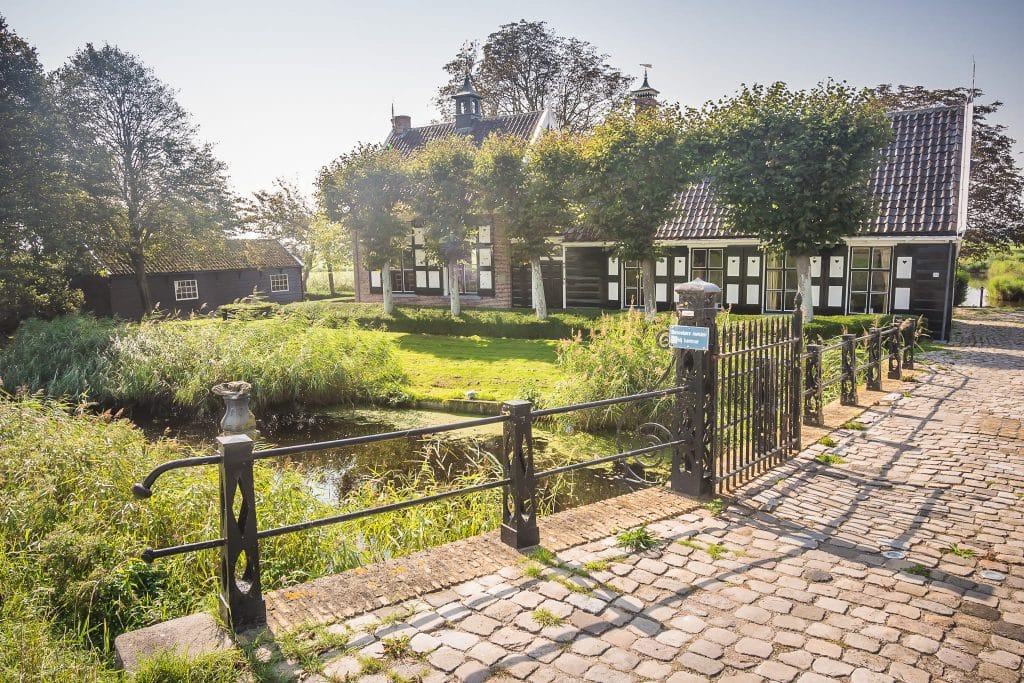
x: 282, y: 88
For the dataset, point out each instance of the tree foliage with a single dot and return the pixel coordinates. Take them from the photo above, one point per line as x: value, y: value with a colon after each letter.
x: 39, y: 245
x: 634, y: 165
x: 995, y: 207
x: 365, y: 192
x: 443, y: 199
x: 525, y: 66
x: 285, y: 214
x: 151, y: 185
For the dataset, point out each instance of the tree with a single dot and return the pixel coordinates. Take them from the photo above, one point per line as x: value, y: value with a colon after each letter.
x: 333, y: 244
x: 995, y: 208
x: 443, y: 197
x: 151, y: 186
x: 39, y: 231
x: 793, y: 167
x: 365, y: 191
x: 524, y: 66
x: 285, y: 214
x: 634, y: 167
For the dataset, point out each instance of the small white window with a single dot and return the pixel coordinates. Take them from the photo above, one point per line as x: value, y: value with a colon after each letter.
x: 279, y: 282
x: 186, y: 290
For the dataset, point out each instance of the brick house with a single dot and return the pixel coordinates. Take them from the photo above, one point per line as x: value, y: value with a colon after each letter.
x: 196, y: 280
x: 485, y: 275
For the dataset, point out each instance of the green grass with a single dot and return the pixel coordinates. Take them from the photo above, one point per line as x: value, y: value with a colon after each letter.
x: 441, y: 367
x: 545, y: 617
x: 716, y: 507
x: 716, y: 550
x: 919, y: 570
x: 955, y: 549
x: 637, y: 540
x: 830, y: 459
x: 854, y: 425
x: 827, y: 442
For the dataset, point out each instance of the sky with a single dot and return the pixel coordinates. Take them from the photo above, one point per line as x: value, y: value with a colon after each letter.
x: 282, y: 88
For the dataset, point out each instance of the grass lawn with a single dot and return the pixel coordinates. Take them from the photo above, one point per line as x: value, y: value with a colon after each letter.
x: 441, y: 367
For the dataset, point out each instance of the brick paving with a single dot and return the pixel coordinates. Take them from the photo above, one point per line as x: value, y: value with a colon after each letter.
x: 790, y: 583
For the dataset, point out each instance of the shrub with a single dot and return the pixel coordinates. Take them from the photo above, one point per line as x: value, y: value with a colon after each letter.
x: 1012, y: 266
x: 619, y: 358
x: 1007, y: 289
x: 962, y: 280
x: 248, y: 311
x: 171, y: 365
x: 485, y: 323
x: 828, y: 327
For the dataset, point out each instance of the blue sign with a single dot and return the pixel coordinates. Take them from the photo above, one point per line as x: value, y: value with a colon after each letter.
x: 686, y: 337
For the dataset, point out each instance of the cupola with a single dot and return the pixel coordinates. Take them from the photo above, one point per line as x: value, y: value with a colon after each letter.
x: 467, y: 105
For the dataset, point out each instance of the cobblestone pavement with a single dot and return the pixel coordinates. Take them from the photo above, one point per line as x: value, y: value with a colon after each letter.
x: 903, y: 563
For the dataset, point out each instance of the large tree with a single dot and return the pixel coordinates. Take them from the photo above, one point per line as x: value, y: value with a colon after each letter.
x: 995, y: 207
x: 286, y: 214
x: 443, y: 199
x: 525, y: 66
x: 365, y: 191
x: 792, y: 167
x: 634, y: 165
x: 39, y: 231
x: 151, y: 185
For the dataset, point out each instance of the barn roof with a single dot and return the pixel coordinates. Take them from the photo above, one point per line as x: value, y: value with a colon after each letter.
x: 917, y: 184
x: 518, y: 125
x: 230, y: 254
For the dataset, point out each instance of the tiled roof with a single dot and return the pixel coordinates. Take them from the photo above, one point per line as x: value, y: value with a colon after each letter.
x: 234, y: 254
x: 519, y: 125
x: 917, y: 184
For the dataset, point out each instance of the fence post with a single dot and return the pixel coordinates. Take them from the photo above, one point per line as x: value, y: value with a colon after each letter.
x: 895, y: 353
x: 814, y: 395
x: 874, y: 379
x: 909, y: 342
x: 693, y: 462
x: 519, y: 500
x: 241, y: 594
x: 848, y: 385
x: 796, y: 381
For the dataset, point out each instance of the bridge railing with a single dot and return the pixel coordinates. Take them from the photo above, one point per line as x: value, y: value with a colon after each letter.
x: 241, y: 592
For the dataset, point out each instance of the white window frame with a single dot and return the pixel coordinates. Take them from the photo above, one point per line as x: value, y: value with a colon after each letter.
x: 275, y: 279
x: 181, y: 289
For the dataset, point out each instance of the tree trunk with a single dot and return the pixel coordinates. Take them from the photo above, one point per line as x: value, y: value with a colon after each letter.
x: 330, y: 279
x: 453, y: 288
x: 650, y: 301
x: 385, y: 288
x: 307, y: 267
x: 803, y: 280
x: 142, y: 282
x: 540, y: 303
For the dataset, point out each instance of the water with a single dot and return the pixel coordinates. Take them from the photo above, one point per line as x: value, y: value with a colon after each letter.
x: 333, y: 473
x: 976, y: 297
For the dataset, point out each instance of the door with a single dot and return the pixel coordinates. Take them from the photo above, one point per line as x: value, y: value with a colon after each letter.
x: 632, y: 284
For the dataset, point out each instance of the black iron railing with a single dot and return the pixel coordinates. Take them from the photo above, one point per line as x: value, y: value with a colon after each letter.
x: 892, y: 345
x: 242, y: 603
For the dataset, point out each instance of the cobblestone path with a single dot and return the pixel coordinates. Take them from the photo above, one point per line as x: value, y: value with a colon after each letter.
x: 903, y: 563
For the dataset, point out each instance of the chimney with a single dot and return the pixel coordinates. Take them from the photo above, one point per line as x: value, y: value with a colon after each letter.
x: 401, y: 122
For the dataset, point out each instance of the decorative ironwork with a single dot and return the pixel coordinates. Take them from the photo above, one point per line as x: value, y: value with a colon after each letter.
x: 874, y: 367
x: 848, y: 385
x: 895, y: 354
x: 241, y: 596
x: 519, y: 512
x: 814, y: 394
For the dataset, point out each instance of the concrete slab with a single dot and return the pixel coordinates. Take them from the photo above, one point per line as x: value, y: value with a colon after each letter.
x: 192, y: 636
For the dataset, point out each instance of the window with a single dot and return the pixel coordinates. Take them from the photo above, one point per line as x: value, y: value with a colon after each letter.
x: 403, y: 272
x: 633, y: 283
x: 477, y: 272
x: 469, y: 274
x: 186, y: 290
x: 869, y: 279
x: 707, y: 264
x: 279, y: 282
x: 780, y: 283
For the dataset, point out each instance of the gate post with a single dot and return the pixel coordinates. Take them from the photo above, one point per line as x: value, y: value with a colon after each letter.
x: 693, y: 461
x: 909, y: 342
x: 241, y: 594
x: 848, y: 385
x: 519, y: 499
x: 874, y: 359
x: 895, y: 354
x: 796, y: 382
x: 814, y: 399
